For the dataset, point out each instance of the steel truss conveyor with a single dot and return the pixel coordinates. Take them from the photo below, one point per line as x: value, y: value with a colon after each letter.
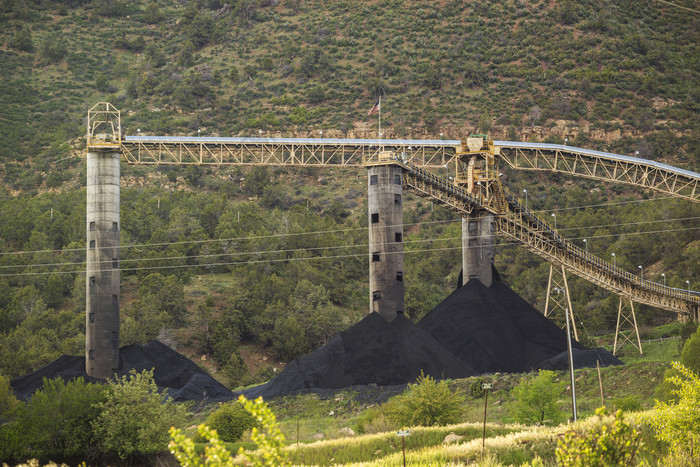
x: 315, y: 152
x: 514, y: 221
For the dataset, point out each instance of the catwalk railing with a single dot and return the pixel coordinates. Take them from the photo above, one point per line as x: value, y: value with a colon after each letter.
x: 516, y: 222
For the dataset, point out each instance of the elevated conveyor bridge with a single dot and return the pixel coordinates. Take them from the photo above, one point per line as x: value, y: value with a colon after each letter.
x: 516, y: 222
x: 316, y: 152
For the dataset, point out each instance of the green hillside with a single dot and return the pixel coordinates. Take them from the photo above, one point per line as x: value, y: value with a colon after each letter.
x: 275, y: 258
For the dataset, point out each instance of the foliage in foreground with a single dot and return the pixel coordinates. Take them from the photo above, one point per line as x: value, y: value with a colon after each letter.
x: 77, y: 420
x: 678, y: 423
x: 55, y: 422
x: 269, y: 442
x: 135, y: 417
x: 611, y: 442
x: 536, y: 399
x: 426, y: 403
x: 230, y: 422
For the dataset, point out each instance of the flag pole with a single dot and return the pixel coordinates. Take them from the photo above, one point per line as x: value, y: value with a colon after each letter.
x: 380, y: 122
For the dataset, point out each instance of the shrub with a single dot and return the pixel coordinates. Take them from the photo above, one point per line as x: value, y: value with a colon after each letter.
x: 678, y: 423
x: 627, y: 403
x: 690, y: 355
x: 269, y: 443
x: 536, y: 399
x: 230, y: 422
x: 613, y: 442
x: 23, y: 40
x: 56, y: 421
x: 135, y: 417
x: 426, y: 403
x: 476, y: 389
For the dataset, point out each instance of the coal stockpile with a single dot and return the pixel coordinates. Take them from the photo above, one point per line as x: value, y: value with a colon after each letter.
x: 582, y: 359
x: 373, y: 351
x: 492, y: 329
x: 174, y: 373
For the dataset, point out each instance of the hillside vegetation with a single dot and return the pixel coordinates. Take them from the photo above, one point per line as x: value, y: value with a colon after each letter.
x: 277, y: 257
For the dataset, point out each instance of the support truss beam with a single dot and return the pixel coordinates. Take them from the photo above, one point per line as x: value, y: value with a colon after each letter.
x: 556, y: 284
x: 626, y: 317
x: 602, y: 166
x: 517, y: 223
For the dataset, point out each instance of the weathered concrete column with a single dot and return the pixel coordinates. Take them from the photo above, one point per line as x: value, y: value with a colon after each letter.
x: 102, y: 271
x: 478, y: 249
x: 385, y: 211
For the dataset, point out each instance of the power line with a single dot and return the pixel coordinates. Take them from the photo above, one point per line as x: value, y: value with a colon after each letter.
x: 306, y: 249
x: 678, y: 6
x: 319, y: 232
x: 356, y: 255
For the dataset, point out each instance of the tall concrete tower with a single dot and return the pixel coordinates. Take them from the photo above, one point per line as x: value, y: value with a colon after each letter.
x: 102, y: 270
x: 385, y: 211
x: 478, y: 249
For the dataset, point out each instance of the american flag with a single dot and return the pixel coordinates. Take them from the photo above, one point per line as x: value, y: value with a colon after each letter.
x: 375, y: 108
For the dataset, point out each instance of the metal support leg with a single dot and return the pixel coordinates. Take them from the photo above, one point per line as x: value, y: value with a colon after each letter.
x: 557, y: 284
x: 625, y: 335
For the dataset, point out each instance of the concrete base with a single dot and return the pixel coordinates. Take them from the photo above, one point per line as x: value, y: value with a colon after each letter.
x: 385, y: 212
x: 102, y: 270
x: 478, y: 249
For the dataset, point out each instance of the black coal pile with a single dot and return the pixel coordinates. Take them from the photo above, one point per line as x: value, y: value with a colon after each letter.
x: 582, y: 359
x: 174, y: 373
x: 373, y: 351
x: 492, y: 329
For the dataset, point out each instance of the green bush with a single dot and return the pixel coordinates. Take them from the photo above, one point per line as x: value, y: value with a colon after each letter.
x: 135, y: 417
x: 231, y: 421
x: 627, y: 403
x: 476, y: 389
x: 56, y: 421
x: 8, y: 401
x: 678, y: 423
x: 611, y: 442
x: 536, y: 399
x: 426, y: 403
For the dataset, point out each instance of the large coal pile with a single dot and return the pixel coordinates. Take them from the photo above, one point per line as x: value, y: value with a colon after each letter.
x: 372, y: 351
x: 493, y: 329
x: 582, y: 359
x: 174, y: 373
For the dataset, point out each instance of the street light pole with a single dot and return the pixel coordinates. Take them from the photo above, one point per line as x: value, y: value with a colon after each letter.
x: 614, y: 260
x: 525, y: 191
x: 555, y: 220
x: 585, y: 241
x: 641, y: 271
x: 663, y: 274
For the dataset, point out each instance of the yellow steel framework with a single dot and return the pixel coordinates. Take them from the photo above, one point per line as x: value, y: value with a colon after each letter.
x: 558, y: 296
x: 278, y: 152
x: 104, y: 128
x: 600, y: 166
x: 517, y: 223
x: 626, y: 316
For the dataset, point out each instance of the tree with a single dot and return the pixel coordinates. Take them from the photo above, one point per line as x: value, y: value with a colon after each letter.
x: 55, y: 422
x: 536, y: 399
x: 426, y: 403
x: 8, y: 401
x: 23, y: 40
x: 53, y: 48
x: 152, y: 13
x: 678, y: 423
x: 135, y: 417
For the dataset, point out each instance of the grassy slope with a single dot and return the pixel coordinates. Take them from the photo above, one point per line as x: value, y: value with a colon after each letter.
x: 630, y: 387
